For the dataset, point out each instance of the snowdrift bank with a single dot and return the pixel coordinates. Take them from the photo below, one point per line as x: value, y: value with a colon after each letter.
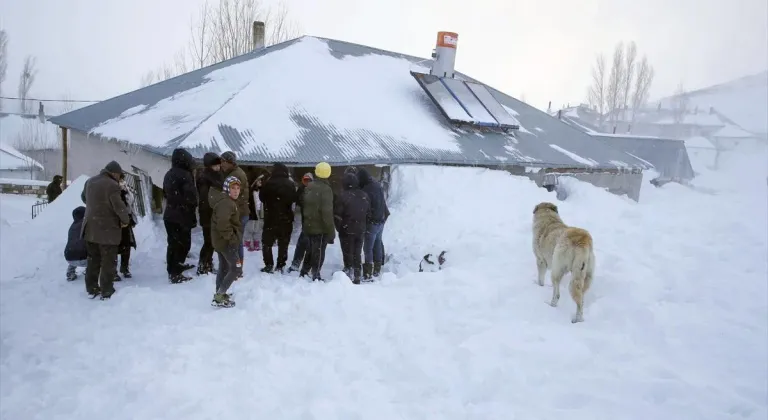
x: 675, y: 322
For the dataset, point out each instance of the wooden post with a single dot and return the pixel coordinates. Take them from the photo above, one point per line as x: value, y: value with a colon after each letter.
x: 64, y: 149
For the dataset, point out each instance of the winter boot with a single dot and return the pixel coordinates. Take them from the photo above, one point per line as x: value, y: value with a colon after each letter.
x: 106, y: 297
x: 94, y: 292
x: 185, y: 267
x: 117, y: 278
x: 279, y: 269
x: 203, y: 269
x: 256, y: 246
x: 222, y: 300
x: 267, y: 269
x: 178, y: 278
x: 356, y: 275
x: 249, y: 246
x: 348, y: 272
x: 126, y: 273
x: 71, y: 273
x: 376, y: 269
x: 293, y: 267
x: 367, y: 271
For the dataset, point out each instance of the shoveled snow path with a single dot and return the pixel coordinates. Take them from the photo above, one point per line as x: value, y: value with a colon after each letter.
x: 675, y: 324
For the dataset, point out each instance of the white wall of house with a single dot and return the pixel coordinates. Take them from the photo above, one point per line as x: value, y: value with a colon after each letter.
x: 88, y: 154
x: 35, y: 174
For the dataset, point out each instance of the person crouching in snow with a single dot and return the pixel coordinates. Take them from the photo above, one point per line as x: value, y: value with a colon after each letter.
x: 75, y: 252
x: 127, y: 239
x: 351, y: 213
x: 226, y: 231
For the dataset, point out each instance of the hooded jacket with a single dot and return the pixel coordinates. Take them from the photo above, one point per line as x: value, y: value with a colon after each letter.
x: 226, y: 229
x: 75, y: 250
x: 317, y: 209
x: 352, y: 208
x: 206, y: 179
x: 179, y: 191
x: 278, y: 195
x: 53, y: 190
x: 245, y: 191
x: 379, y: 209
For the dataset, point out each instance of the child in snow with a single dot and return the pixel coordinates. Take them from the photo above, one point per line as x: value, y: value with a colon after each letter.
x: 75, y: 252
x: 127, y: 239
x: 226, y: 231
x: 253, y: 227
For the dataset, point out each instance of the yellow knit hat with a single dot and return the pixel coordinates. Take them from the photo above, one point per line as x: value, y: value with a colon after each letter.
x: 323, y: 170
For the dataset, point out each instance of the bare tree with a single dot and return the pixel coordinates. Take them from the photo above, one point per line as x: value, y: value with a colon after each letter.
x: 200, y: 41
x: 629, y: 74
x: 616, y: 78
x: 597, y: 93
x: 279, y: 26
x: 147, y: 79
x: 3, y: 60
x: 26, y: 80
x: 643, y: 81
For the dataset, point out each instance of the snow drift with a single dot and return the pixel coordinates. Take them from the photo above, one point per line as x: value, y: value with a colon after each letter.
x: 675, y: 321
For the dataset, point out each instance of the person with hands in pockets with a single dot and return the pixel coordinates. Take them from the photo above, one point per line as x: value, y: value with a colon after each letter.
x: 226, y: 234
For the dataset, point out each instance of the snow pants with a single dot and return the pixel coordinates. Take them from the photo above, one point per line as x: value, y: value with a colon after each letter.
x: 179, y: 244
x: 351, y: 249
x: 101, y: 268
x: 230, y: 268
x: 280, y: 234
x: 72, y: 267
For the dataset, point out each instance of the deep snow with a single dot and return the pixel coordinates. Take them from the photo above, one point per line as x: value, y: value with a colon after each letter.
x: 675, y: 323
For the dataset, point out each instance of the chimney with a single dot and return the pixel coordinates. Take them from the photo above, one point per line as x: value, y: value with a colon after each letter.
x: 258, y: 35
x: 559, y: 114
x: 549, y: 107
x: 444, y: 54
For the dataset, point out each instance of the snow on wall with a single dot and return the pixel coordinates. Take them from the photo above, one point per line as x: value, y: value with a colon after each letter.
x: 245, y: 96
x: 89, y: 154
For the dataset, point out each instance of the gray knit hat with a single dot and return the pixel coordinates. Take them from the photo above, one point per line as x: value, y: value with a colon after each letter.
x: 113, y: 168
x: 229, y: 157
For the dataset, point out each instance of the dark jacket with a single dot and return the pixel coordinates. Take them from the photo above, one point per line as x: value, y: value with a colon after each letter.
x: 206, y: 179
x: 179, y: 191
x: 379, y: 209
x: 226, y: 229
x: 54, y: 188
x: 75, y: 250
x: 352, y: 208
x: 245, y: 191
x: 317, y: 212
x: 105, y: 210
x: 277, y: 196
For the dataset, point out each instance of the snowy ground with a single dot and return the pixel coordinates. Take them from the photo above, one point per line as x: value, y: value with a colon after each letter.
x: 15, y: 209
x: 676, y: 321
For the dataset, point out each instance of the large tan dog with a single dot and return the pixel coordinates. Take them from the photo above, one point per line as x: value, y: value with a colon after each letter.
x: 562, y: 249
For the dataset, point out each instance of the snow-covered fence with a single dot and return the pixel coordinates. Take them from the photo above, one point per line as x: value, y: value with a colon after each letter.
x: 38, y: 207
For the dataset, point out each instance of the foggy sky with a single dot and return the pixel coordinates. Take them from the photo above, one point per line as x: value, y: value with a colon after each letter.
x: 540, y: 49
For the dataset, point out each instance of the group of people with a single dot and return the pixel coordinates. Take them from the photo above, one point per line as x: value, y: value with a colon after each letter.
x: 231, y: 213
x: 101, y: 231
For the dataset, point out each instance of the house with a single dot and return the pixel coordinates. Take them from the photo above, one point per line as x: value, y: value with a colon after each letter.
x: 668, y: 157
x: 316, y: 99
x: 702, y: 152
x: 33, y: 138
x: 16, y: 165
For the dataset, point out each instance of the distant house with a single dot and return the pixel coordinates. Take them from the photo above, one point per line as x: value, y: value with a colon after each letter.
x: 16, y: 165
x: 668, y: 157
x: 702, y: 152
x: 34, y: 139
x: 315, y: 99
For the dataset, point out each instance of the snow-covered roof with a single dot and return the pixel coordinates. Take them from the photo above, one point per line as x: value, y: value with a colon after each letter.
x: 315, y: 98
x: 699, y: 142
x: 744, y: 101
x: 27, y: 133
x: 732, y: 131
x: 703, y: 119
x: 12, y: 159
x: 668, y: 157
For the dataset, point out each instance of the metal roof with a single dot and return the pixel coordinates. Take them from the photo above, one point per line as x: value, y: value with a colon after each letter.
x: 535, y: 145
x: 668, y: 157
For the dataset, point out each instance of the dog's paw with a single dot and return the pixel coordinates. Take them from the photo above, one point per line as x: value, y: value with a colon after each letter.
x: 540, y: 282
x: 552, y: 303
x: 577, y: 318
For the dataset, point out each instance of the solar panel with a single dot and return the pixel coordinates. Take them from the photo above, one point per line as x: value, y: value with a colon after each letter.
x: 493, y: 106
x: 443, y: 98
x: 470, y: 102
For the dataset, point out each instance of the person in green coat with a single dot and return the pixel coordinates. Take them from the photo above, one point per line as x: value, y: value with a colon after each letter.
x: 317, y: 220
x: 226, y: 232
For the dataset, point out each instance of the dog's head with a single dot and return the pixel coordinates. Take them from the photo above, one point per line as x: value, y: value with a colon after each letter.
x: 545, y: 206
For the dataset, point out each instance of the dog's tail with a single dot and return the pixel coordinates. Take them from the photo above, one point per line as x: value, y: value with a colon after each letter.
x: 581, y: 241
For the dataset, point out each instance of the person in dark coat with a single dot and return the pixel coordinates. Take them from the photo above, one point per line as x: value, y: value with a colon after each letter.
x: 127, y: 239
x: 303, y: 242
x: 179, y: 215
x: 277, y: 196
x: 352, y: 210
x: 209, y: 177
x: 53, y: 189
x: 105, y: 216
x: 317, y: 216
x: 374, y: 245
x: 75, y: 252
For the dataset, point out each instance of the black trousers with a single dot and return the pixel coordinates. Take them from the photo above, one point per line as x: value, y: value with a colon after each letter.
x: 206, y: 252
x: 101, y: 269
x: 280, y: 234
x: 352, y: 249
x: 179, y: 244
x: 125, y: 258
x: 300, y: 250
x: 315, y: 256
